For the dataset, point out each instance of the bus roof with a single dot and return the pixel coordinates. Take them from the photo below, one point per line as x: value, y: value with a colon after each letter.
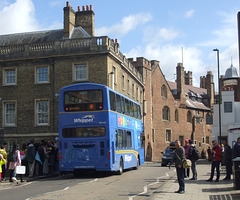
x: 74, y: 86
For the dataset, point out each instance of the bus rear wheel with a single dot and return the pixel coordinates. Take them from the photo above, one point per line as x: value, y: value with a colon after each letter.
x: 120, y: 167
x: 138, y: 163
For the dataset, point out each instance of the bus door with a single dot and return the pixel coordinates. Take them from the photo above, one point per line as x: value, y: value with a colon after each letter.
x: 113, y: 145
x: 141, y: 144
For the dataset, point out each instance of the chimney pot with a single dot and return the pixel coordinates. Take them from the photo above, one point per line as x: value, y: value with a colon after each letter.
x: 91, y: 7
x: 79, y: 9
x: 87, y: 7
x: 83, y: 8
x: 116, y: 41
x: 67, y: 4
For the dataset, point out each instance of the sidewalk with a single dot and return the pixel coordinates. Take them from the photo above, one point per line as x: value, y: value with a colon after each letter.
x: 6, y: 184
x: 199, y: 189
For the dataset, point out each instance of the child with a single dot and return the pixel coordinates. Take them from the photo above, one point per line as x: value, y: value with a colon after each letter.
x: 2, y: 162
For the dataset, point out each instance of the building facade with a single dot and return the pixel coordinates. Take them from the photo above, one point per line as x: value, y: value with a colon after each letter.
x: 229, y: 108
x: 35, y: 66
x: 174, y: 110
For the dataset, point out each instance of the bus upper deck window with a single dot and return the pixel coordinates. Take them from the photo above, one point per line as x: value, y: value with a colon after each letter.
x: 83, y: 100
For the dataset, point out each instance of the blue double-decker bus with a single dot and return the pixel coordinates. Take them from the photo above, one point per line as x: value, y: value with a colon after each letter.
x: 99, y: 129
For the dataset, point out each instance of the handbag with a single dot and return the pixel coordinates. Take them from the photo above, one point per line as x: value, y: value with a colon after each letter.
x: 187, y: 163
x: 20, y: 170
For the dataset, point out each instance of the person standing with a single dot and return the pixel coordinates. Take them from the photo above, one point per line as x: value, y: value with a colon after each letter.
x: 31, y: 158
x: 15, y: 160
x: 236, y: 149
x: 186, y: 148
x: 178, y: 158
x: 3, y: 166
x: 192, y: 155
x: 216, y: 159
x: 209, y: 154
x: 2, y: 162
x: 228, y: 159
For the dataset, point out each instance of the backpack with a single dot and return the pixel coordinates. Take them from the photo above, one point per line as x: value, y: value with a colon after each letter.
x: 196, y: 154
x: 11, y: 157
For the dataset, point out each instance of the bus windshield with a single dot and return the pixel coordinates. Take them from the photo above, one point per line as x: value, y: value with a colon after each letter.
x: 83, y: 132
x: 83, y: 100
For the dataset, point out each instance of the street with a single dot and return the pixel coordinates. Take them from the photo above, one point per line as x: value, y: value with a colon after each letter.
x: 132, y: 184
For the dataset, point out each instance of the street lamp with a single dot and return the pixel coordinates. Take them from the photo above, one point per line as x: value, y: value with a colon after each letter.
x: 219, y: 97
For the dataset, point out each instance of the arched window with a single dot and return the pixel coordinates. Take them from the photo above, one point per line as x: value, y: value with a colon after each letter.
x: 189, y: 117
x: 166, y: 113
x: 176, y: 116
x: 164, y: 91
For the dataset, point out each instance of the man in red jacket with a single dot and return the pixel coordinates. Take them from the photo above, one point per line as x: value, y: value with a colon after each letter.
x: 216, y: 160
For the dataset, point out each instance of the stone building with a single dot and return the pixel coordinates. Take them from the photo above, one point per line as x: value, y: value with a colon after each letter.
x: 34, y: 66
x: 229, y: 108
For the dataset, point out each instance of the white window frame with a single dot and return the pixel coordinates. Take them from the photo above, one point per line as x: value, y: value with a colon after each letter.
x: 114, y: 77
x: 164, y: 91
x: 167, y: 136
x: 37, y: 74
x: 5, y: 78
x: 37, y: 112
x: 166, y: 113
x: 75, y: 65
x: 14, y: 113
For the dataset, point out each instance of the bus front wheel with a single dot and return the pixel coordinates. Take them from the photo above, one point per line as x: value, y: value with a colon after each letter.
x: 120, y: 167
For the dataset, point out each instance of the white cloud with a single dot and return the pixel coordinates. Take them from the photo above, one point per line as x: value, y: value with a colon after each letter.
x: 126, y: 25
x: 55, y: 25
x: 18, y: 17
x: 226, y: 34
x: 56, y: 3
x: 157, y: 35
x: 189, y: 13
x: 169, y: 55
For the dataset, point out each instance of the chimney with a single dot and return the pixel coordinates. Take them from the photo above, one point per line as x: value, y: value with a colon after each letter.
x: 85, y: 19
x: 188, y: 78
x: 154, y: 63
x: 209, y: 85
x: 69, y: 20
x: 202, y: 81
x: 180, y: 81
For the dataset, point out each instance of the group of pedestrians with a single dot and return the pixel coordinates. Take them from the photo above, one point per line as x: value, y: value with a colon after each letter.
x: 225, y: 154
x: 38, y: 158
x: 216, y: 155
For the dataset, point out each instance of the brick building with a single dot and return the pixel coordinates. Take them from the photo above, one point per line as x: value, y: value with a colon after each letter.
x: 175, y: 110
x: 34, y: 66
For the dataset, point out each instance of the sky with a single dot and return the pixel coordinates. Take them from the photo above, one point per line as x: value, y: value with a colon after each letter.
x: 168, y: 31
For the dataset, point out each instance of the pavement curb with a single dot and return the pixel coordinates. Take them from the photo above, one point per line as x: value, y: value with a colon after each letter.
x: 157, y: 191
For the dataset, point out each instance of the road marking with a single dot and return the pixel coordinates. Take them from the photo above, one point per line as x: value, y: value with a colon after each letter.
x: 66, y: 188
x: 145, y: 188
x: 88, y: 181
x: 18, y: 186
